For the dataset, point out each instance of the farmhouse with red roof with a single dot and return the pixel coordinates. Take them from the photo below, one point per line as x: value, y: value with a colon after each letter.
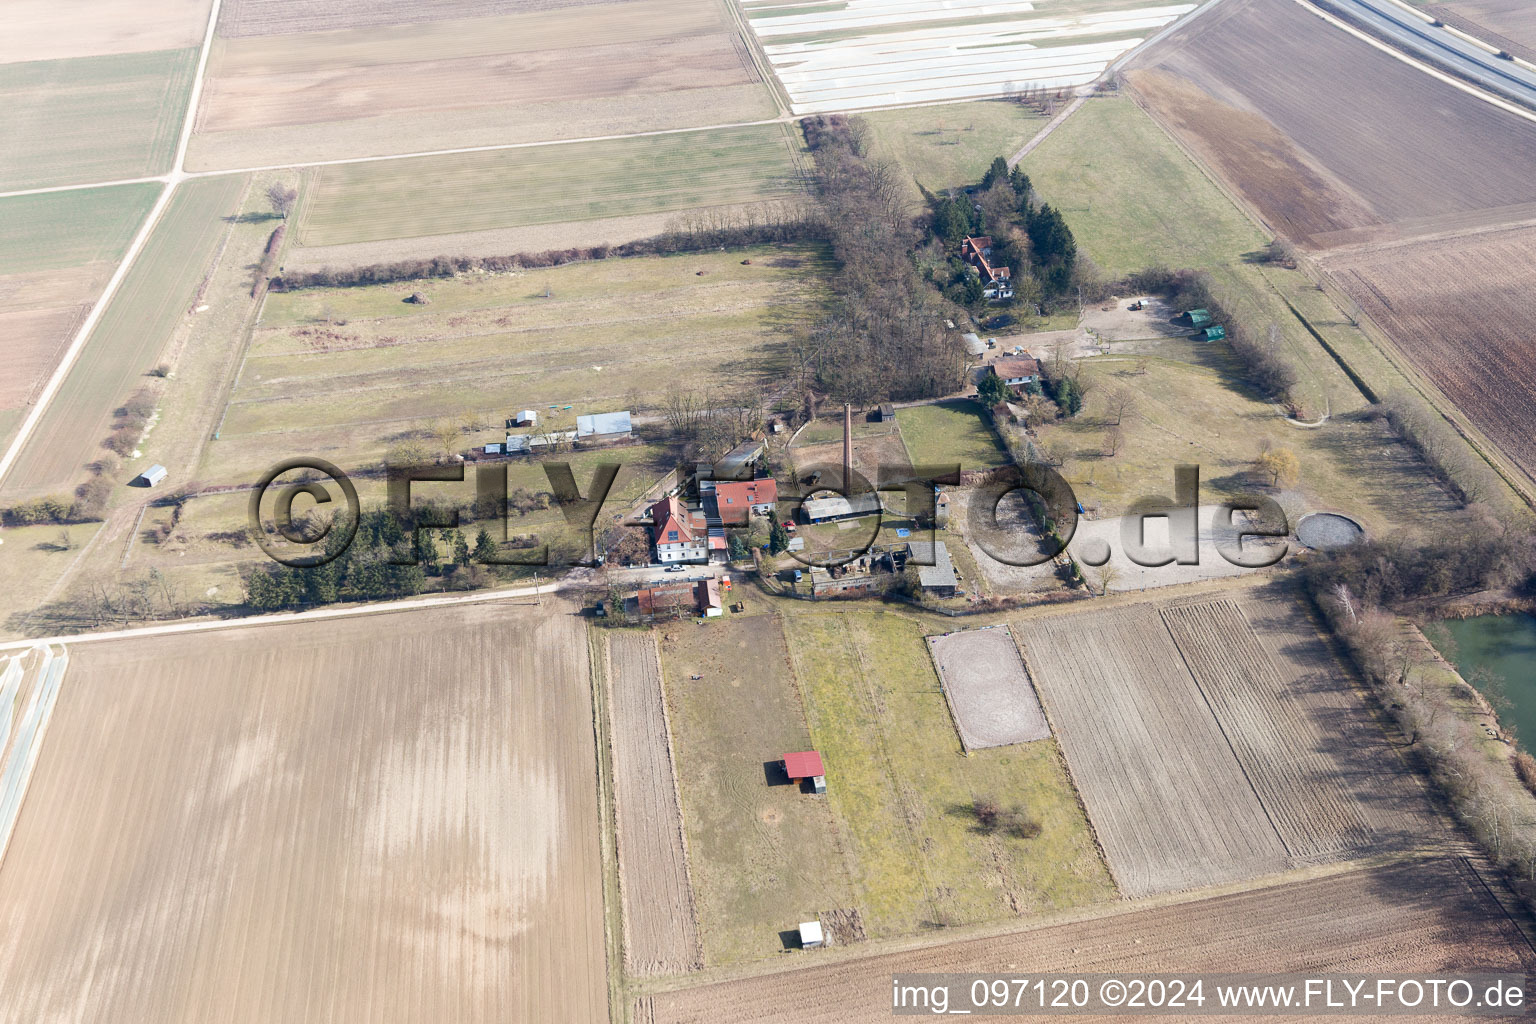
x: 679, y: 533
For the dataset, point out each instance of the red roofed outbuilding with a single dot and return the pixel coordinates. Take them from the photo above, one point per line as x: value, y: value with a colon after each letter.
x: 804, y: 765
x: 738, y: 500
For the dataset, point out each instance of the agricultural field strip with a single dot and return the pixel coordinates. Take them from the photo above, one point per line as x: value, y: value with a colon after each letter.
x: 661, y: 933
x: 1235, y: 87
x: 130, y: 254
x: 1412, y: 917
x: 21, y: 738
x: 291, y: 81
x: 85, y: 118
x: 38, y: 30
x: 634, y: 21
x: 1413, y: 62
x: 279, y: 618
x: 131, y: 332
x: 1455, y: 310
x: 453, y: 359
x: 1475, y: 61
x: 1167, y: 798
x: 517, y: 188
x: 824, y: 65
x: 246, y: 18
x: 1279, y: 748
x: 38, y: 336
x: 384, y: 820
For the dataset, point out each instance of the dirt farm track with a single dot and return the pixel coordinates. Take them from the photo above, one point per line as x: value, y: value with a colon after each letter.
x: 1403, y: 919
x: 384, y: 818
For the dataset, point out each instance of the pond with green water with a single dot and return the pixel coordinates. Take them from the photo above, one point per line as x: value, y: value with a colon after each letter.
x: 1501, y: 648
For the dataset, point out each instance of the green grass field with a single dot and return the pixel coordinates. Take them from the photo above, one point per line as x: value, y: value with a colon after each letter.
x: 762, y: 856
x: 1134, y: 200
x: 949, y: 432
x: 35, y: 559
x: 550, y: 184
x: 1189, y: 411
x: 91, y: 118
x: 1131, y: 196
x: 902, y: 788
x: 601, y: 336
x: 143, y: 314
x: 951, y: 145
x: 66, y: 229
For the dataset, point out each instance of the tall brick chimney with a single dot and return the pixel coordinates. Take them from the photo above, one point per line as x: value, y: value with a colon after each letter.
x: 847, y: 447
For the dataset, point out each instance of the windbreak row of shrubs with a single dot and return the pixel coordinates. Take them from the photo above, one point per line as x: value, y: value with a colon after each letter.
x: 801, y: 226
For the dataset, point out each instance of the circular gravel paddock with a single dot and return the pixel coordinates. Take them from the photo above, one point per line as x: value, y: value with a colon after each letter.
x: 1325, y: 530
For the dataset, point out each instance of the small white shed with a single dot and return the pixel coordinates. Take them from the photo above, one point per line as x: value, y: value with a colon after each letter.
x: 526, y: 418
x: 152, y: 476
x: 810, y: 935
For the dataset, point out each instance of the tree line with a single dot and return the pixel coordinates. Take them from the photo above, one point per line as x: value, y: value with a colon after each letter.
x: 881, y: 336
x: 694, y: 232
x: 1360, y: 591
x: 386, y: 559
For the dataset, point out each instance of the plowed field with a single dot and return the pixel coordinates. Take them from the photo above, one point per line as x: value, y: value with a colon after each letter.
x: 1329, y: 138
x: 661, y: 933
x: 383, y: 818
x: 1216, y: 740
x: 1460, y: 309
x: 1166, y: 797
x: 1280, y: 749
x: 1403, y: 919
x: 1510, y: 24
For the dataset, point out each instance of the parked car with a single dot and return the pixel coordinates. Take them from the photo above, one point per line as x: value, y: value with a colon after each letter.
x: 674, y: 568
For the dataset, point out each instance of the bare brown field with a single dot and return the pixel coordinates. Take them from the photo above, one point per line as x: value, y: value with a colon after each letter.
x: 47, y: 30
x: 458, y: 82
x: 383, y: 818
x: 387, y: 135
x: 1509, y: 24
x: 44, y: 289
x: 1242, y: 86
x: 1217, y: 739
x: 1284, y: 755
x: 1166, y: 798
x: 1459, y: 310
x: 661, y: 931
x: 989, y: 692
x: 668, y: 53
x: 279, y: 17
x: 35, y: 338
x: 870, y: 452
x: 1419, y: 917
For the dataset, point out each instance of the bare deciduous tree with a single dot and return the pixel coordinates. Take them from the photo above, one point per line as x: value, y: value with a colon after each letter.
x: 1119, y: 404
x: 282, y: 197
x: 1114, y: 440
